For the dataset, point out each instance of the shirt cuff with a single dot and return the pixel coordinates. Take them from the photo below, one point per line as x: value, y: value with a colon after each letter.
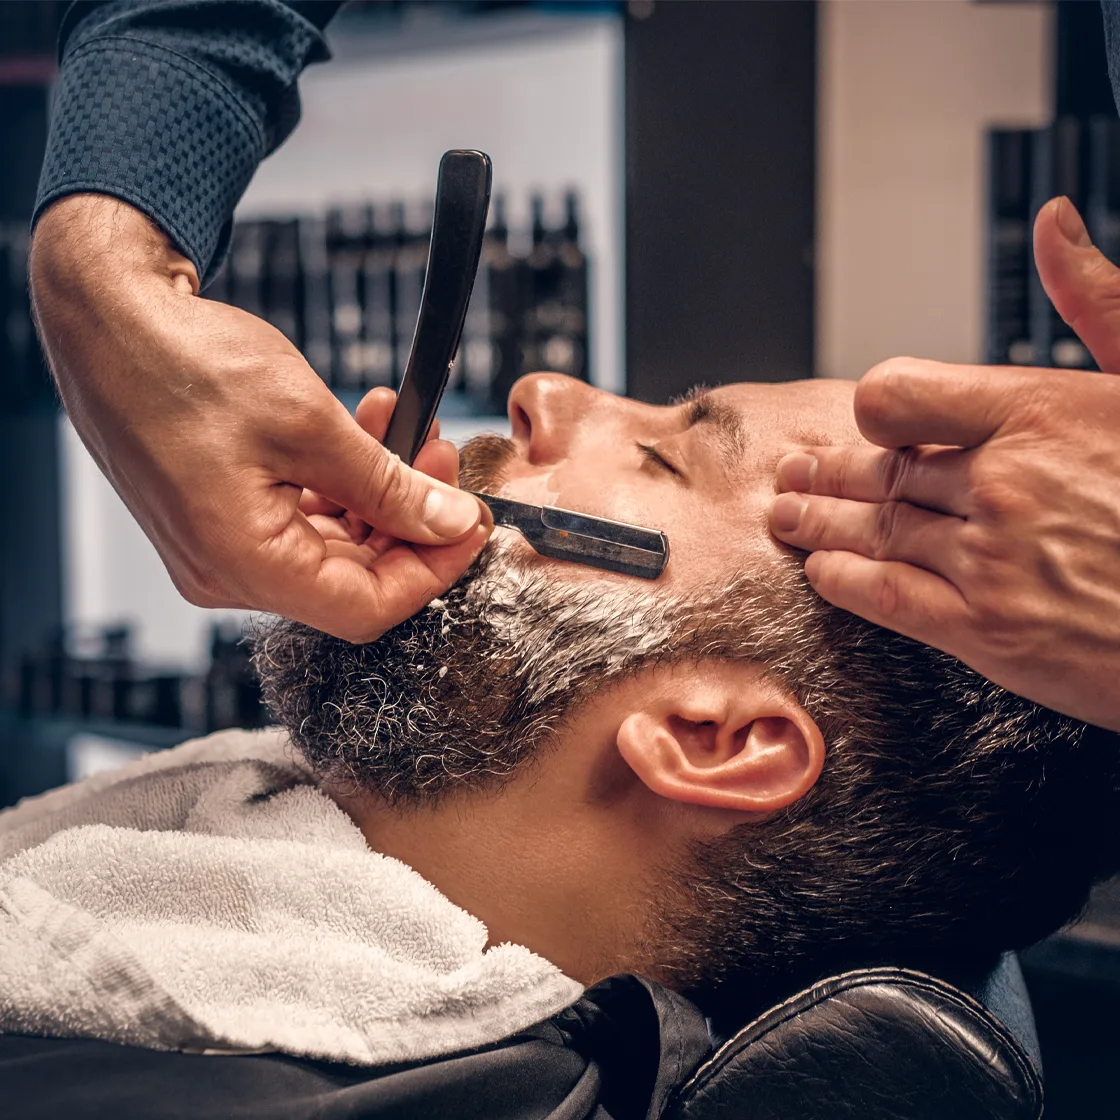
x: 159, y: 131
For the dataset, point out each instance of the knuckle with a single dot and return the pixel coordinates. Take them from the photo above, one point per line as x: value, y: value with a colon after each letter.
x: 1042, y: 402
x: 304, y: 415
x: 985, y: 608
x: 983, y: 553
x: 895, y: 469
x: 885, y: 529
x: 1001, y: 634
x: 1103, y: 282
x: 200, y: 589
x: 392, y: 485
x: 998, y: 495
x: 813, y: 524
x: 890, y: 595
x: 843, y: 474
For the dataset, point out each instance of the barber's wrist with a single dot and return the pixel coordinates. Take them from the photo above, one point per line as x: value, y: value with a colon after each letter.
x: 91, y: 247
x: 104, y: 284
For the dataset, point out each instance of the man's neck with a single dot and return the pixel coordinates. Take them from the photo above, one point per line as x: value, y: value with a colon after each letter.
x: 533, y: 874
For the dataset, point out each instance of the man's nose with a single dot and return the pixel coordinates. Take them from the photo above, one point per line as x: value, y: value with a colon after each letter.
x: 546, y: 409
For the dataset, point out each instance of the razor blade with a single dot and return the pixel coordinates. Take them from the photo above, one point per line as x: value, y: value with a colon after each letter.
x: 615, y: 546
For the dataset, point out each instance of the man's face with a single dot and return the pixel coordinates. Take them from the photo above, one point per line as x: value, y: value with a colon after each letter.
x: 509, y: 649
x: 661, y: 725
x: 702, y: 470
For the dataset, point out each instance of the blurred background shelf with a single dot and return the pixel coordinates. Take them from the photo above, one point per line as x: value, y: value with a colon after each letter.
x: 43, y: 752
x: 766, y: 191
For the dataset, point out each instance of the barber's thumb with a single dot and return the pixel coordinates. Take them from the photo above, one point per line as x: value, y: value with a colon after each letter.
x: 358, y: 473
x: 1082, y: 283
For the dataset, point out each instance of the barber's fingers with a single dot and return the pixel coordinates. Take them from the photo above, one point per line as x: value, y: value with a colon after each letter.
x: 375, y: 409
x: 372, y: 414
x: 312, y: 504
x: 354, y: 592
x: 1083, y: 285
x: 437, y: 458
x: 893, y: 531
x: 915, y: 602
x: 937, y: 478
x: 907, y: 401
x: 334, y: 457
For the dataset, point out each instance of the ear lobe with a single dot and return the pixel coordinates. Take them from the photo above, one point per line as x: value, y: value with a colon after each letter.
x: 752, y: 757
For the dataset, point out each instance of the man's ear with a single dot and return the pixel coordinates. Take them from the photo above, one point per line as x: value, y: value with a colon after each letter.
x: 724, y: 736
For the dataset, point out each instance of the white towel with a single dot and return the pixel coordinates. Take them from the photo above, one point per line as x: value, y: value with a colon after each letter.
x: 212, y: 899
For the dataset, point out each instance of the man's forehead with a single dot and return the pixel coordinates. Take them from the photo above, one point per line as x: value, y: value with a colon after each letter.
x: 817, y: 412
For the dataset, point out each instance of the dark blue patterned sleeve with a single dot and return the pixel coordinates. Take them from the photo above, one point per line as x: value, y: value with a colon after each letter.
x: 1111, y: 10
x: 170, y: 105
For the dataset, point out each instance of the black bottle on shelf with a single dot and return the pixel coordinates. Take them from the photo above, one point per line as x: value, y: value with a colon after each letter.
x: 78, y: 688
x: 315, y: 292
x: 1010, y: 258
x: 413, y: 223
x: 110, y: 673
x: 1102, y: 198
x: 232, y: 691
x: 246, y: 267
x: 219, y: 705
x: 378, y: 361
x: 346, y: 237
x: 1059, y: 167
x: 570, y: 344
x: 42, y: 677
x: 489, y: 358
x: 555, y: 321
x: 473, y: 370
x: 282, y: 279
x: 118, y: 668
x: 539, y: 287
x: 167, y: 700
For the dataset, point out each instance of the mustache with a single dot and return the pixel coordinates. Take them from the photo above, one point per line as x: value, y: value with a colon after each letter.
x: 482, y: 461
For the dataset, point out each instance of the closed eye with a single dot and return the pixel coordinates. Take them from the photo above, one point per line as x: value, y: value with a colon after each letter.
x: 652, y: 455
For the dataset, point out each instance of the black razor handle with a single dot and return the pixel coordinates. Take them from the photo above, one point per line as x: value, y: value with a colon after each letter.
x: 462, y: 202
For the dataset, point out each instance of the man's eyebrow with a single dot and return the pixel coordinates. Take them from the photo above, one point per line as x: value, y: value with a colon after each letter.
x: 727, y: 424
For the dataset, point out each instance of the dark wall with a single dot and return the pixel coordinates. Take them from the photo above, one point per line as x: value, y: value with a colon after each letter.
x: 1081, y: 84
x: 30, y: 545
x: 720, y: 134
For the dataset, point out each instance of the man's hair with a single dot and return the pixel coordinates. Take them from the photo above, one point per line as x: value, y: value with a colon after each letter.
x: 952, y: 820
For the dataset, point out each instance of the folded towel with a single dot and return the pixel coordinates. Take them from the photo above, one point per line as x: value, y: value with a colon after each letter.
x: 212, y: 899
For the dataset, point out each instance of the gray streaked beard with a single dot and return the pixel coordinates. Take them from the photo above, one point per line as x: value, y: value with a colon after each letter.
x: 464, y: 692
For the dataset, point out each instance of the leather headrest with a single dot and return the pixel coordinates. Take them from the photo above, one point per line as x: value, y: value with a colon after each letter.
x: 877, y: 1044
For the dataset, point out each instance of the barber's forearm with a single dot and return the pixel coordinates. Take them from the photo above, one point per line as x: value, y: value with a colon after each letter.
x: 97, y: 269
x: 170, y: 105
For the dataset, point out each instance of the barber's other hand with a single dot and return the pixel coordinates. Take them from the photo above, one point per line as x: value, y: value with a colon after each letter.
x: 210, y: 424
x: 987, y: 521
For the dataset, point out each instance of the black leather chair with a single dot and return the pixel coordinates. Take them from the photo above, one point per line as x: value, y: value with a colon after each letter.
x: 878, y: 1044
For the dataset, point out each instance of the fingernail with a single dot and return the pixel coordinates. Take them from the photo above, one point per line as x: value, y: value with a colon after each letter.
x: 450, y: 513
x: 785, y: 513
x: 1070, y: 223
x: 796, y: 471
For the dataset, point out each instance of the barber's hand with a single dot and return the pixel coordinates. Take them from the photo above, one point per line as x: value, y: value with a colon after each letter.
x: 348, y: 534
x: 990, y: 525
x: 210, y: 424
